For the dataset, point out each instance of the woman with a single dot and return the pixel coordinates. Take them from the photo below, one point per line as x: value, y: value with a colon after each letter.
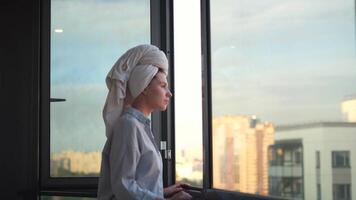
x: 131, y: 165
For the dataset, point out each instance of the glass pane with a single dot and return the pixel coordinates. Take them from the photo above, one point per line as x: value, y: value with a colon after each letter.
x: 87, y: 37
x: 188, y: 92
x: 283, y: 88
x: 341, y: 159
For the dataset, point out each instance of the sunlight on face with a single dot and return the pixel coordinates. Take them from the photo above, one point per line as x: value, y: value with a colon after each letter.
x: 158, y: 93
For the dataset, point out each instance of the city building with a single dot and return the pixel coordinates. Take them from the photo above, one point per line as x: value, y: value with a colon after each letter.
x: 348, y: 108
x: 189, y: 166
x: 240, y: 153
x: 71, y: 163
x: 314, y: 161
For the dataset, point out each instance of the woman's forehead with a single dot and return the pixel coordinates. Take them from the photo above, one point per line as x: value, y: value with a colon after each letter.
x: 161, y: 77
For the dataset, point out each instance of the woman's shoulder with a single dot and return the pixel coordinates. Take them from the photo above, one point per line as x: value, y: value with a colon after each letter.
x: 127, y: 121
x: 125, y: 127
x: 127, y: 117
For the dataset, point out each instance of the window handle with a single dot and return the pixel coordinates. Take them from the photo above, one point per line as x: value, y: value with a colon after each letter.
x: 167, y: 152
x: 56, y: 100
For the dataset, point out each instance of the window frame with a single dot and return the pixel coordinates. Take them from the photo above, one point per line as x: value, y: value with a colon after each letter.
x: 318, y: 191
x: 87, y: 186
x: 206, y: 94
x: 317, y: 159
x: 207, y: 111
x: 163, y: 122
x: 346, y: 159
x: 346, y: 190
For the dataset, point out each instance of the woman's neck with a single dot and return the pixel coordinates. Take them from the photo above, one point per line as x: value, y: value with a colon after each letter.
x: 142, y: 108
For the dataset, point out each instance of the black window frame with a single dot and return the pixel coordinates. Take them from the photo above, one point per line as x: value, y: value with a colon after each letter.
x: 207, y: 135
x: 162, y: 122
x: 160, y: 35
x: 206, y: 94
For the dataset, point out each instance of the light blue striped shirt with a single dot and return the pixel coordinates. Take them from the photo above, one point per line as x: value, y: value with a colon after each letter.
x: 131, y: 166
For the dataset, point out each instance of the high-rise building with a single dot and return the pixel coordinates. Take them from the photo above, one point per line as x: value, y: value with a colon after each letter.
x: 240, y: 153
x: 314, y: 161
x: 286, y: 169
x: 348, y: 108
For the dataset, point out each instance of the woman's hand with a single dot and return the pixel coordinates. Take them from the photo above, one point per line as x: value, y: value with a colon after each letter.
x: 181, y: 196
x: 173, y: 189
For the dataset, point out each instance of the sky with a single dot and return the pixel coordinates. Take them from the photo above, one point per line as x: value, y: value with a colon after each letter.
x: 95, y: 34
x: 284, y: 61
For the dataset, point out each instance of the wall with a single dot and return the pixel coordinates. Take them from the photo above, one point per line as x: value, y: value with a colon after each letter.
x: 18, y: 83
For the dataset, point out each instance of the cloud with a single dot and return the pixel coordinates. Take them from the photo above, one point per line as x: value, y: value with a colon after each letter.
x: 282, y: 95
x: 247, y: 23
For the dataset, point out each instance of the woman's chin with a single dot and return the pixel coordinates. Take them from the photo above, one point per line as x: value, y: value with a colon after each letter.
x: 163, y: 108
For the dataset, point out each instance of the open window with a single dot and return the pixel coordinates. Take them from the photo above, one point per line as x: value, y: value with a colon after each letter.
x: 80, y: 41
x: 264, y: 93
x: 277, y: 85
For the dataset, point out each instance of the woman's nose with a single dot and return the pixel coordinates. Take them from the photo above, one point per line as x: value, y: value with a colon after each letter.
x: 169, y: 94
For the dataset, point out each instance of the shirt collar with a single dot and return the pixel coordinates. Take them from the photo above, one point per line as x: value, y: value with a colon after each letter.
x: 138, y: 115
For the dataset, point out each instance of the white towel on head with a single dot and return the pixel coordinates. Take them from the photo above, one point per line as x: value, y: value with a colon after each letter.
x: 135, y: 69
x: 140, y: 77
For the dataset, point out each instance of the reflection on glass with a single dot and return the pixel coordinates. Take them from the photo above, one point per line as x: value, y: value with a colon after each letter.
x: 284, y: 97
x: 187, y: 92
x: 87, y: 36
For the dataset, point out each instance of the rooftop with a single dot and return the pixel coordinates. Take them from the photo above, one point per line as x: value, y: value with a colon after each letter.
x: 316, y: 125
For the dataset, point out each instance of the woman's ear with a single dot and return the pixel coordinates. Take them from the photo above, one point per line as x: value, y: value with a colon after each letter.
x: 145, y: 91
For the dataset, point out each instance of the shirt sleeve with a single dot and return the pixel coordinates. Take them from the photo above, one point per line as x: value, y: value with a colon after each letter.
x: 124, y: 157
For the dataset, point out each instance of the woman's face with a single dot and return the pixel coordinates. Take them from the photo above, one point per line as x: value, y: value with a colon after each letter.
x: 157, y: 92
